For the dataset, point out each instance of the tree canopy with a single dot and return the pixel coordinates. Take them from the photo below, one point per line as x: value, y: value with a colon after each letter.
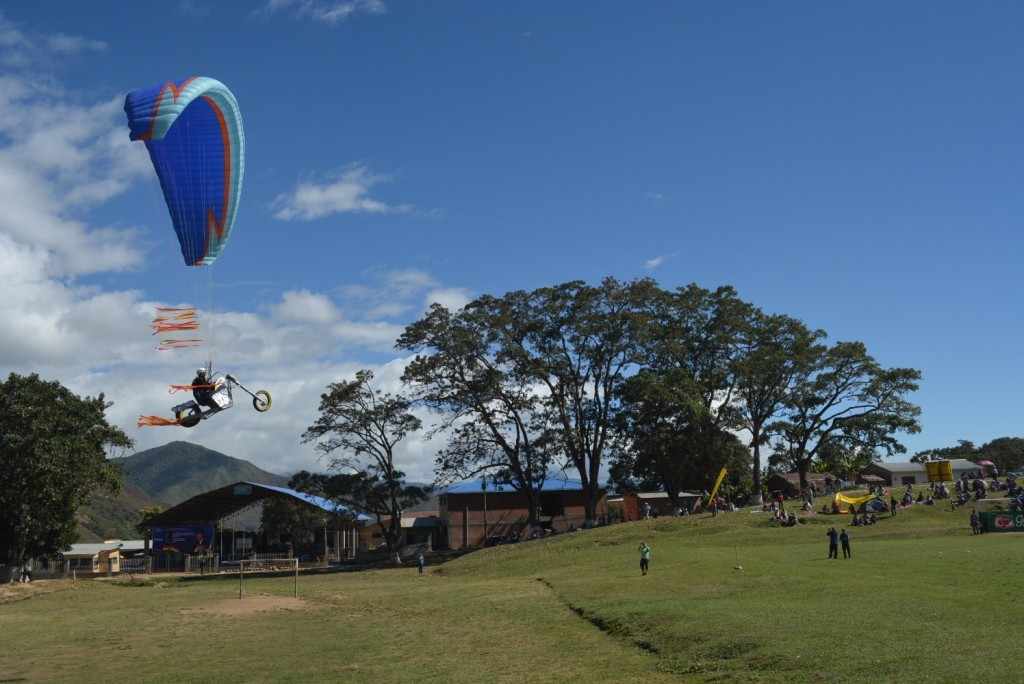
x: 359, y: 427
x: 53, y: 450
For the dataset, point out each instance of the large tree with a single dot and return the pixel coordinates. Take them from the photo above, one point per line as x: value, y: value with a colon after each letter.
x: 1006, y: 452
x: 359, y: 427
x: 669, y: 437
x: 53, y: 454
x: 488, y: 406
x: 842, y: 393
x: 963, y: 449
x: 775, y: 348
x: 695, y: 338
x: 582, y: 343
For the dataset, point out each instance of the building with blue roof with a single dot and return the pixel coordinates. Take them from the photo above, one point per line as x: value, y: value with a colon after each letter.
x: 228, y: 522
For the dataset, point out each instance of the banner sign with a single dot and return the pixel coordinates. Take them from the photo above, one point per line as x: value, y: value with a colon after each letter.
x: 994, y: 521
x: 183, y: 539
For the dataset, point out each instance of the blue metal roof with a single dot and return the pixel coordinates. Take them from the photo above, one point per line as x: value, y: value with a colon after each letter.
x: 318, y: 501
x: 553, y: 483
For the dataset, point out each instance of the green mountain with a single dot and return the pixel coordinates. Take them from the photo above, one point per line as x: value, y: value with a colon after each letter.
x: 107, y: 517
x: 163, y: 476
x: 177, y: 471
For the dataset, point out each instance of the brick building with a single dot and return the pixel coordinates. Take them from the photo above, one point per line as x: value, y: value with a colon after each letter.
x: 475, y: 515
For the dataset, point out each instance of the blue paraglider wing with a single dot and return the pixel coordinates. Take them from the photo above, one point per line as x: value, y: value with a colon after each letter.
x: 193, y: 131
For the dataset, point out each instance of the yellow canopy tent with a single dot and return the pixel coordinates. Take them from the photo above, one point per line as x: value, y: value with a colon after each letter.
x: 844, y: 501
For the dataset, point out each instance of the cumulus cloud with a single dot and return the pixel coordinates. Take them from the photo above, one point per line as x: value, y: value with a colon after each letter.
x: 305, y: 306
x: 347, y: 192
x: 325, y: 11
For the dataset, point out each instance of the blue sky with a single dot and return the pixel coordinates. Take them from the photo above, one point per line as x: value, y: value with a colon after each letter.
x: 855, y: 166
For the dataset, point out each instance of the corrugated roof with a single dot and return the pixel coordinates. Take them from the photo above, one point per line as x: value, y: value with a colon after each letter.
x: 127, y: 544
x: 87, y: 550
x: 319, y: 502
x: 554, y: 483
x: 664, y: 495
x: 219, y: 503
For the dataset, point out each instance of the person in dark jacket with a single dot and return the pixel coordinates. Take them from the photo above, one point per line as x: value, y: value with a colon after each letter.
x: 845, y: 540
x: 833, y: 546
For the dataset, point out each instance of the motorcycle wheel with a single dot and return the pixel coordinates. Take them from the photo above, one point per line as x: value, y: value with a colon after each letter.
x: 190, y: 419
x: 261, y: 401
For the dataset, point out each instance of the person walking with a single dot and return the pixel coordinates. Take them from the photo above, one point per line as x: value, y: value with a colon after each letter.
x: 893, y: 503
x: 844, y: 539
x: 421, y: 562
x: 833, y: 546
x: 975, y: 521
x: 645, y: 557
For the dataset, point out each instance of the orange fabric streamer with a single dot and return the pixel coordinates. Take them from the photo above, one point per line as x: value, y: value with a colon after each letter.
x: 167, y: 345
x: 188, y: 388
x: 155, y: 421
x: 171, y: 319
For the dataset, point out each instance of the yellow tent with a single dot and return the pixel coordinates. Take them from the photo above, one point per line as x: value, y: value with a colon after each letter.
x: 844, y: 501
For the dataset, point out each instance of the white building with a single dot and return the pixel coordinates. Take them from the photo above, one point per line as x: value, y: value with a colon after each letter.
x: 896, y: 474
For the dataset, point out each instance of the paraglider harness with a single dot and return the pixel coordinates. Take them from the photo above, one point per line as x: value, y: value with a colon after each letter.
x: 213, y: 393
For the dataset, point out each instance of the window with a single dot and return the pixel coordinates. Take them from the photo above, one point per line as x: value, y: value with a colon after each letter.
x: 551, y: 505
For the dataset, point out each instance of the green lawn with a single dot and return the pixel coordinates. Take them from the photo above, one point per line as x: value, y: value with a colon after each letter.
x: 921, y: 600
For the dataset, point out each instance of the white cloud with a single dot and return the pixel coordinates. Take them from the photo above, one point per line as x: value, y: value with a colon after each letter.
x: 654, y: 263
x: 452, y: 298
x: 326, y: 11
x: 344, y: 193
x: 306, y: 307
x: 21, y: 48
x: 69, y: 45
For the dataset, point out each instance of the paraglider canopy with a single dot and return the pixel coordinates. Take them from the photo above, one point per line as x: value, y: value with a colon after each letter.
x: 193, y: 131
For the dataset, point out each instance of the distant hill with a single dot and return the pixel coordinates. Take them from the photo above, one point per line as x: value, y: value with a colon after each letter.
x: 177, y: 471
x: 107, y: 517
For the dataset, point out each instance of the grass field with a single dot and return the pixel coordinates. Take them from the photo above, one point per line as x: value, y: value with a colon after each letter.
x: 921, y: 600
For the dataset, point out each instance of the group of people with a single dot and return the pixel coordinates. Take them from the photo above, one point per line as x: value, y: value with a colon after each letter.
x: 836, y: 538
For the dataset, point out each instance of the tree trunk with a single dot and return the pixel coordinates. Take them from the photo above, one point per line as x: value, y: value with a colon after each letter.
x: 755, y: 442
x: 802, y: 467
x: 590, y: 505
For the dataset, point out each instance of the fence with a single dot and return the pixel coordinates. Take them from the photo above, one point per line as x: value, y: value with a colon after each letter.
x: 202, y: 563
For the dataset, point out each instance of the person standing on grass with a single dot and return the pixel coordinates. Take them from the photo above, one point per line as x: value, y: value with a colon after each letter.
x: 833, y: 546
x: 421, y: 562
x: 893, y: 503
x: 975, y: 521
x: 845, y: 540
x: 645, y: 557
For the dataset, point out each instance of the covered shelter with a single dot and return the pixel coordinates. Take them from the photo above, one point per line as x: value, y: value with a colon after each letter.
x: 481, y: 512
x: 635, y: 503
x: 229, y: 522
